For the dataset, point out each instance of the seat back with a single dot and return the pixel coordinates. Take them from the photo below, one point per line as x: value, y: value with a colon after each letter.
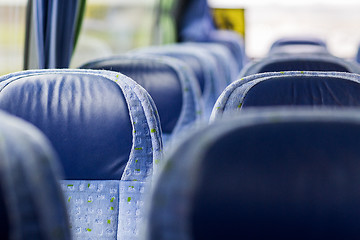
x: 169, y: 82
x: 201, y: 62
x: 279, y: 174
x: 290, y: 89
x: 300, y: 62
x: 31, y: 202
x: 227, y: 66
x: 106, y: 130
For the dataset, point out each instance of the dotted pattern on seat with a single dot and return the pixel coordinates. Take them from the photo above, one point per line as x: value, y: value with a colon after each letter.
x: 28, y: 176
x: 131, y: 212
x: 231, y: 98
x: 93, y: 208
x: 146, y: 152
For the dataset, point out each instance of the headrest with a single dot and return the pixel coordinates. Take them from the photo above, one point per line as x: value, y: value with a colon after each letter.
x: 289, y: 88
x: 201, y: 62
x: 300, y: 62
x: 225, y: 60
x: 87, y: 115
x: 301, y: 40
x: 167, y: 80
x: 299, y: 49
x: 297, y: 90
x: 278, y: 174
x: 31, y: 202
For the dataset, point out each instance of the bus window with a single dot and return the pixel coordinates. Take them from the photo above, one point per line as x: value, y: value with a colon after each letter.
x: 337, y: 22
x: 12, y: 29
x: 112, y: 27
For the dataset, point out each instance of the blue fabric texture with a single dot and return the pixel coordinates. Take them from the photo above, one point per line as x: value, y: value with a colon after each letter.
x: 29, y: 190
x: 144, y: 152
x: 170, y: 83
x: 232, y: 98
x: 299, y: 62
x: 251, y: 175
x: 301, y: 40
x: 55, y: 25
x: 225, y: 60
x: 203, y: 65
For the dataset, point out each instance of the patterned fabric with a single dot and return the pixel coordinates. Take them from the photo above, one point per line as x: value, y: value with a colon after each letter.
x: 29, y: 173
x: 172, y: 200
x: 145, y: 155
x: 231, y: 99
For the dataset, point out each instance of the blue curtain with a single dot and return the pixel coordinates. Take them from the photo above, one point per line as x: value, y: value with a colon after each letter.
x: 52, y: 32
x: 196, y: 23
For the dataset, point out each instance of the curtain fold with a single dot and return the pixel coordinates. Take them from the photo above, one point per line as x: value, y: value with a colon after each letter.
x: 52, y: 33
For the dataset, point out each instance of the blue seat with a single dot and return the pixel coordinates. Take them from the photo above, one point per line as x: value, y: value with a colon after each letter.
x: 227, y: 66
x: 107, y: 133
x: 299, y: 62
x: 277, y: 174
x: 234, y: 42
x: 170, y: 83
x: 299, y: 45
x: 290, y: 89
x: 31, y: 202
x: 203, y: 65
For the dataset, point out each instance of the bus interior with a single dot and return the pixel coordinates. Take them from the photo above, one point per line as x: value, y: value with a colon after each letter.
x: 179, y: 119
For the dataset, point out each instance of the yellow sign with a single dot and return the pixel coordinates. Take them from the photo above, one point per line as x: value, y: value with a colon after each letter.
x: 230, y: 19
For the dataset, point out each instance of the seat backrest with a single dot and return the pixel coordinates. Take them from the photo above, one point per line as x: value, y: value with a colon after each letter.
x: 225, y: 60
x: 201, y: 62
x: 31, y: 202
x: 278, y: 174
x: 170, y: 83
x: 300, y: 62
x: 106, y: 131
x: 290, y: 89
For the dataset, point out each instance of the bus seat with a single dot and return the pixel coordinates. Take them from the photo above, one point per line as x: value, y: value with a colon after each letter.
x: 32, y: 205
x: 170, y: 83
x: 106, y: 131
x: 333, y: 89
x: 271, y: 174
x: 203, y: 65
x: 358, y: 55
x: 299, y: 62
x: 234, y: 42
x: 300, y: 40
x: 225, y: 60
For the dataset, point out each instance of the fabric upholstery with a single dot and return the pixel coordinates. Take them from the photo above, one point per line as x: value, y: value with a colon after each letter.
x: 31, y: 201
x: 290, y: 88
x: 299, y: 62
x: 105, y: 128
x: 279, y: 174
x: 169, y: 82
x: 203, y: 65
